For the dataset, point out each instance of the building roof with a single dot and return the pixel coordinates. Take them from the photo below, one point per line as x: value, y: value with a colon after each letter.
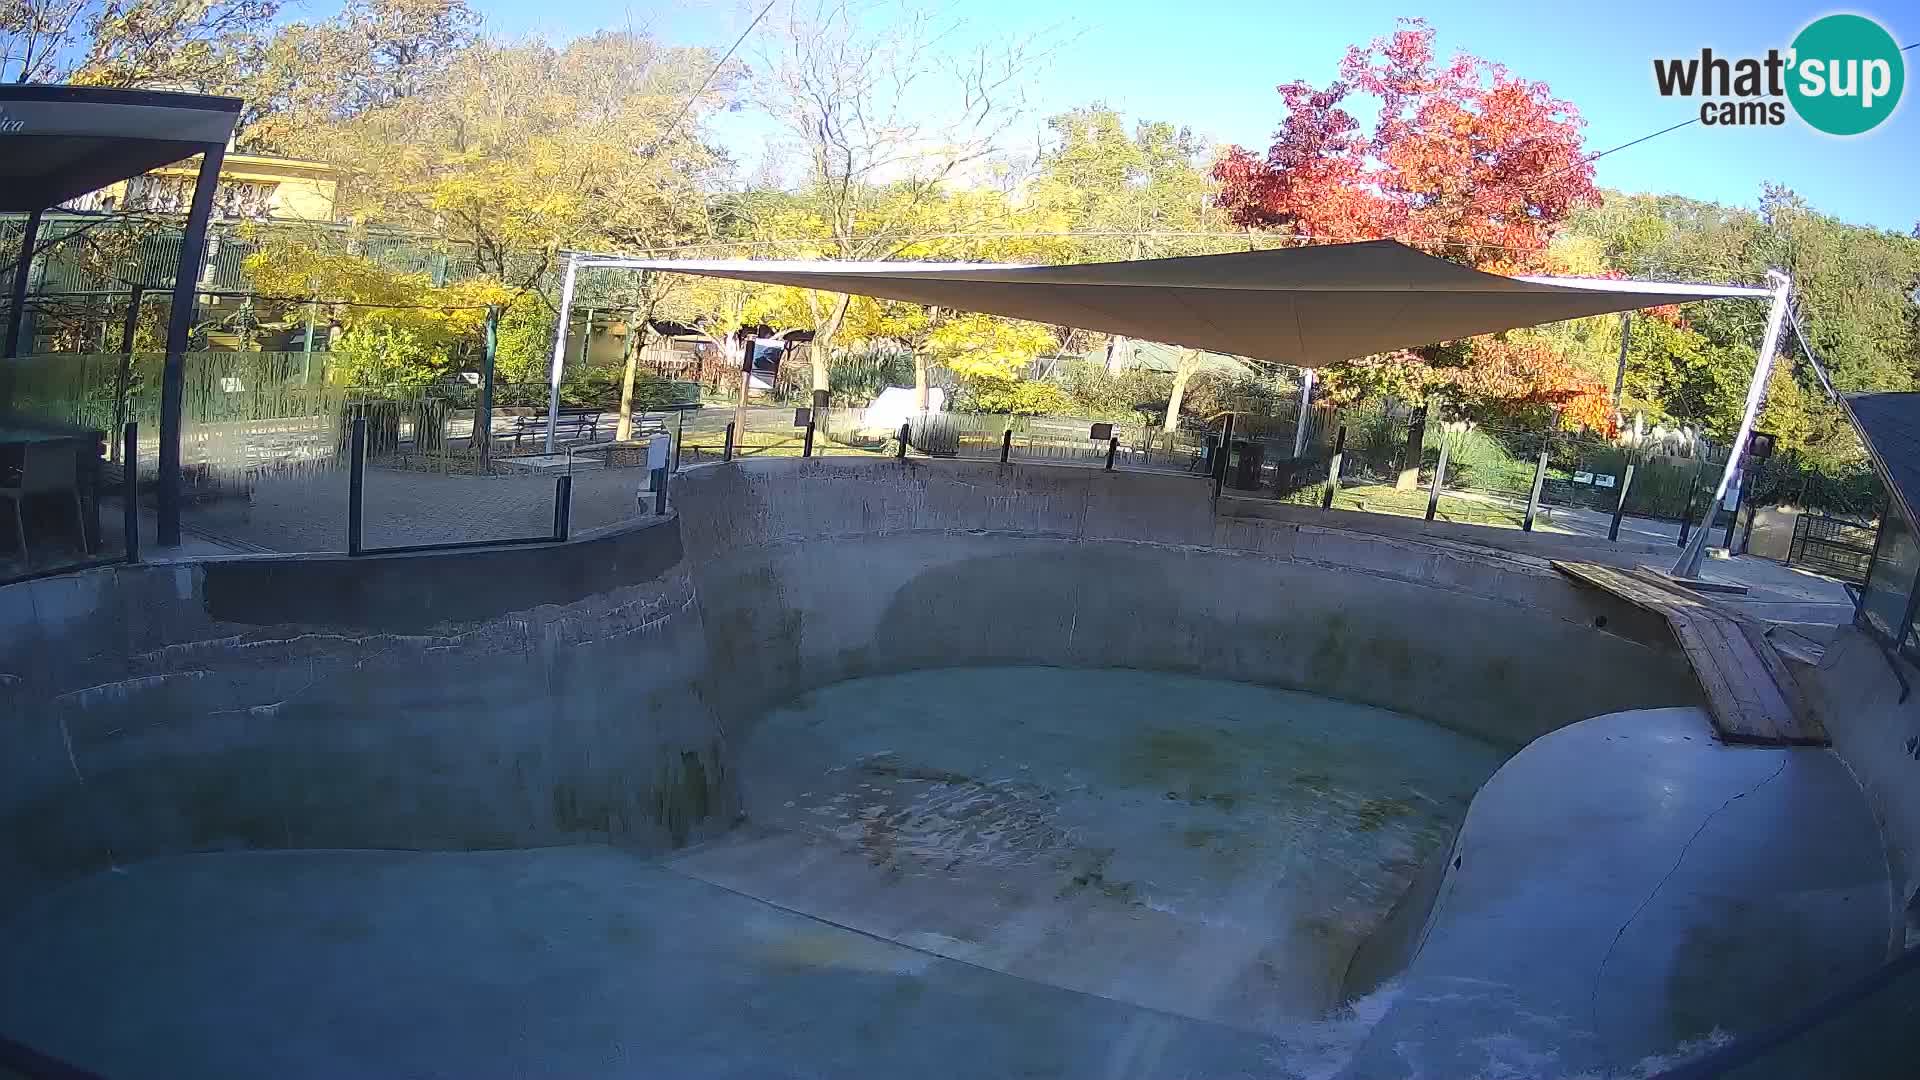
x: 1890, y: 426
x: 1153, y: 356
x: 64, y: 141
x: 1307, y: 306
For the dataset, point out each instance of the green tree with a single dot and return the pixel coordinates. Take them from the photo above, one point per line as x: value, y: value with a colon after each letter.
x: 1142, y: 194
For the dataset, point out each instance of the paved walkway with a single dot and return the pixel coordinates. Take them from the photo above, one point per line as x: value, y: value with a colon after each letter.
x: 404, y: 507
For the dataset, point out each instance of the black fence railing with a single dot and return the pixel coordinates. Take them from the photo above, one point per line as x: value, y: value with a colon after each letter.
x: 1832, y: 546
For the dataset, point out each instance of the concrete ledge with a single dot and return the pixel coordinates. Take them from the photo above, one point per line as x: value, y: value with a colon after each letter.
x: 1626, y: 885
x: 418, y: 591
x: 1544, y: 546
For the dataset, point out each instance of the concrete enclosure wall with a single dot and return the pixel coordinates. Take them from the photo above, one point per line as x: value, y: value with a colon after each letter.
x: 1856, y: 691
x: 595, y: 690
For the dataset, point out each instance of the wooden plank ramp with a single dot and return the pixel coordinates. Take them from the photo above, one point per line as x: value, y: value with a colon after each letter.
x: 1750, y: 693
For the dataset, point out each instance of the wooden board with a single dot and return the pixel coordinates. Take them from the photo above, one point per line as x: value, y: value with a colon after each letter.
x: 1750, y: 693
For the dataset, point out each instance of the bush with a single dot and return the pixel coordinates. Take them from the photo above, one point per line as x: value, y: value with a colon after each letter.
x: 599, y: 388
x: 858, y: 375
x: 1210, y: 393
x: 1097, y: 395
x: 387, y: 358
x: 1020, y: 397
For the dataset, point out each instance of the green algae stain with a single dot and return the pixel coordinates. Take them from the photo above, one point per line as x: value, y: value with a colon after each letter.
x: 1374, y: 813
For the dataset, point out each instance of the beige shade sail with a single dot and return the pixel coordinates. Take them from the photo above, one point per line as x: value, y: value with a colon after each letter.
x: 1305, y: 306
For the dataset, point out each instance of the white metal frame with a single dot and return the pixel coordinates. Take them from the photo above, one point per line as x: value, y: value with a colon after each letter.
x: 1778, y: 291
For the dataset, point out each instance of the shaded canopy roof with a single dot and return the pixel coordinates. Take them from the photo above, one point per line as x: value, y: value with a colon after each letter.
x: 1306, y: 306
x: 64, y: 141
x: 1890, y: 426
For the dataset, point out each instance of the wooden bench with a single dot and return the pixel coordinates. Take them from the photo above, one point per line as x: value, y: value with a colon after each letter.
x: 584, y: 423
x: 1750, y: 693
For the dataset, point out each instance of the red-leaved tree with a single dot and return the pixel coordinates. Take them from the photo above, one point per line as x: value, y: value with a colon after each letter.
x: 1465, y: 161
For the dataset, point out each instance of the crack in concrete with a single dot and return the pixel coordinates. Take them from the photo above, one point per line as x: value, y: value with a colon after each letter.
x: 1593, y: 997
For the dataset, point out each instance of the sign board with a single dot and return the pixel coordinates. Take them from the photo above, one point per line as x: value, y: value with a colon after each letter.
x: 1603, y: 480
x: 1101, y: 432
x: 762, y: 362
x: 1583, y: 478
x: 802, y: 417
x: 657, y: 450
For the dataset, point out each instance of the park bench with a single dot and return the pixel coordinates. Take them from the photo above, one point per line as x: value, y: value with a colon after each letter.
x: 583, y: 423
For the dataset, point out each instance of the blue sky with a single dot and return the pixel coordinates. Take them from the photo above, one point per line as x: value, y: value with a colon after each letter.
x: 1212, y: 64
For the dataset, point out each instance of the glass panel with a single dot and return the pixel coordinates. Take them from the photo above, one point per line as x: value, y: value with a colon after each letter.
x: 1884, y: 604
x: 59, y: 501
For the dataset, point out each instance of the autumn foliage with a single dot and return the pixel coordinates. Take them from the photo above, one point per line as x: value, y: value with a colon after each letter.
x: 1465, y: 161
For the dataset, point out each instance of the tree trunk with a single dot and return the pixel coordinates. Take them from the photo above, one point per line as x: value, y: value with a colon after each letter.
x: 636, y: 340
x: 1410, y: 460
x: 921, y: 391
x: 822, y: 348
x: 1188, y: 364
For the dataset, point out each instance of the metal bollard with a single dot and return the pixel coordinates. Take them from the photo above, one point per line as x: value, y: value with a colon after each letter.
x: 1006, y: 445
x: 1113, y: 447
x: 806, y: 447
x: 902, y: 451
x: 1223, y: 460
x: 562, y: 505
x: 130, y: 488
x: 356, y: 484
x: 1333, y: 467
x: 1533, y: 500
x: 659, y: 491
x: 1620, y: 508
x: 1686, y: 516
x: 1439, y: 480
x: 726, y: 451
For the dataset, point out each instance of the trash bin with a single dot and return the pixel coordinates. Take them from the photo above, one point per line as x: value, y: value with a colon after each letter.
x: 1247, y: 458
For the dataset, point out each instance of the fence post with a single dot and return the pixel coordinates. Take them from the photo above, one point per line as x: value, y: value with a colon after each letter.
x: 1686, y: 516
x: 726, y: 449
x: 1619, y: 508
x: 1533, y: 500
x: 130, y: 488
x: 1006, y: 445
x: 123, y: 382
x: 901, y: 452
x: 1333, y: 468
x: 1113, y: 447
x: 1439, y: 478
x: 356, y: 483
x: 562, y: 505
x: 806, y: 446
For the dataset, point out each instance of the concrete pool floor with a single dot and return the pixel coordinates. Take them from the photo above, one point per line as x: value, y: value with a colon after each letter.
x: 1212, y: 849
x: 574, y: 962
x: 968, y: 872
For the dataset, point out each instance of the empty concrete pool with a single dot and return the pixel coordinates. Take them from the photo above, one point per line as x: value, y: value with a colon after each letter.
x: 888, y: 768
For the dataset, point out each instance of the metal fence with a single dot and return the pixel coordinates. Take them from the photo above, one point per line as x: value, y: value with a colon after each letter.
x: 1832, y: 546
